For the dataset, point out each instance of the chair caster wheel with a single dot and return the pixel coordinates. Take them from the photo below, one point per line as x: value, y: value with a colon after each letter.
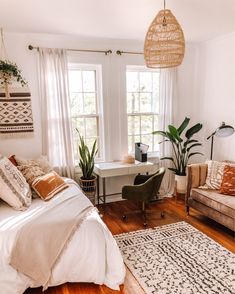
x: 124, y: 217
x: 145, y: 224
x: 162, y: 215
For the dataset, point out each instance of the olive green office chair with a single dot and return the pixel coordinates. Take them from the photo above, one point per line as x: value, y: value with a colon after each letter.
x: 145, y: 188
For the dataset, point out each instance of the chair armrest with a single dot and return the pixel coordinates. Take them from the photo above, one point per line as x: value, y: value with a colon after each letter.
x: 196, y: 177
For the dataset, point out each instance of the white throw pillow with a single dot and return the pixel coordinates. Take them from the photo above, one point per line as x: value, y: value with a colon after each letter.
x: 214, y: 174
x: 41, y: 161
x: 14, y: 189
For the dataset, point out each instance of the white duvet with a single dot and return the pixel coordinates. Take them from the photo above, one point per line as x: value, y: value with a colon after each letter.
x: 92, y: 255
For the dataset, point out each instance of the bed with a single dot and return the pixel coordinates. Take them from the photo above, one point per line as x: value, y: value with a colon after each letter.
x: 91, y: 255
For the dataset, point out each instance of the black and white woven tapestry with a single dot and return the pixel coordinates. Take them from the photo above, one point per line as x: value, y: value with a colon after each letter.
x: 16, y: 119
x: 178, y: 259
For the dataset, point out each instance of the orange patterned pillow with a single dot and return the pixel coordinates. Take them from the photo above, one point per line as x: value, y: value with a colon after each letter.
x: 47, y: 186
x: 228, y: 183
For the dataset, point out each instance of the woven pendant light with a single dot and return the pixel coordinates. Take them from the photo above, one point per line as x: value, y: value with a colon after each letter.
x: 164, y: 42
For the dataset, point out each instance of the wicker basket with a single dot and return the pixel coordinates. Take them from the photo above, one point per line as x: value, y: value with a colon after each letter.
x: 164, y: 42
x: 89, y: 188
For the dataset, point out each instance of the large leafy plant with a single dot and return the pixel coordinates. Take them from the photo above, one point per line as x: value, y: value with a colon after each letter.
x: 10, y: 72
x: 182, y: 145
x: 87, y: 158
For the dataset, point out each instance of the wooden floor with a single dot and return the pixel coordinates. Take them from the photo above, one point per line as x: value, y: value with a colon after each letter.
x: 174, y: 211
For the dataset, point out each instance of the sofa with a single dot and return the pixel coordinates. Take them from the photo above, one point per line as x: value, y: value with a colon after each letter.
x: 211, y: 203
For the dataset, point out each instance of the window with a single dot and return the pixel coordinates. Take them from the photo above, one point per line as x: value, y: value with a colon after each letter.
x: 142, y: 87
x: 85, y: 95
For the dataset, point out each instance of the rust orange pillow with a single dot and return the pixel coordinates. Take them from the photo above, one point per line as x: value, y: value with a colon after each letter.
x: 228, y: 183
x: 47, y: 186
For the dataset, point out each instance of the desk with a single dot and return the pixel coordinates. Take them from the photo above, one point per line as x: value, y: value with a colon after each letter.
x: 117, y: 168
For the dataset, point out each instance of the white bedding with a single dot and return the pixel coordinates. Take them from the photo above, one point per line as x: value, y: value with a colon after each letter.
x: 92, y: 255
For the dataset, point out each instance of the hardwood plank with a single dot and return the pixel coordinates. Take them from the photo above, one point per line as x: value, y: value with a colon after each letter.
x: 112, y: 216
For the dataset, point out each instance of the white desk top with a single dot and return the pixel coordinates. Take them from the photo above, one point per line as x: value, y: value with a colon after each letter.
x: 118, y: 168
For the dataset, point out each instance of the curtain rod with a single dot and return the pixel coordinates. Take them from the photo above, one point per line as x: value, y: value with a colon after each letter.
x: 119, y: 52
x: 106, y: 52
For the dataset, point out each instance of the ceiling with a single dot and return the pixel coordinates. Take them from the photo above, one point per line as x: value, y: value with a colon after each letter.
x: 120, y: 19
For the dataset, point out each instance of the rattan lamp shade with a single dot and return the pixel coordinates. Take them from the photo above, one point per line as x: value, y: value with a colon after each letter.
x: 164, y: 42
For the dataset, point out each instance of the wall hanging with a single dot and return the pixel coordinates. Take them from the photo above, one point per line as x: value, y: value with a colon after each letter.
x: 16, y: 118
x: 164, y: 42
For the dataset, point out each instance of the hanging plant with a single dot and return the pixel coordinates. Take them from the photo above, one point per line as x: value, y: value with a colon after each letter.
x: 10, y: 72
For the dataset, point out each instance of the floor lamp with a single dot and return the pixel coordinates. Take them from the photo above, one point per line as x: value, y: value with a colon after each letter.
x: 222, y: 131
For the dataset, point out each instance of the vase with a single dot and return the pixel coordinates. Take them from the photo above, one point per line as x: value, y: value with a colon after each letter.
x: 181, y: 184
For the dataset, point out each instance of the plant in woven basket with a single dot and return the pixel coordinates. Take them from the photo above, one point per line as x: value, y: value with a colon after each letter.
x: 87, y: 158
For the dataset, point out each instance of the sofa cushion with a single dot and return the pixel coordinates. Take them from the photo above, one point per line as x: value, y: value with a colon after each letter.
x: 211, y: 198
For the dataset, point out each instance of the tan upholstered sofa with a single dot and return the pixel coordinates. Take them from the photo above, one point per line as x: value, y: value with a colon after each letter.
x: 211, y: 203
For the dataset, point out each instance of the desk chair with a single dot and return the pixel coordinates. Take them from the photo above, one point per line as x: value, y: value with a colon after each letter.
x: 144, y: 189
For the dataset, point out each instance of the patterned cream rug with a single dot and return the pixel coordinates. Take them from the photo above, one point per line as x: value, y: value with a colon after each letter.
x: 178, y: 259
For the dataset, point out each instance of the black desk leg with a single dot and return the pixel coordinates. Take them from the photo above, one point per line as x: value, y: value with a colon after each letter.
x: 98, y: 190
x: 104, y: 191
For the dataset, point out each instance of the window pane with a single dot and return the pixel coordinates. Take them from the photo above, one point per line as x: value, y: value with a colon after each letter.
x: 146, y: 124
x: 75, y: 81
x: 88, y: 80
x: 90, y: 103
x: 132, y: 81
x: 91, y: 127
x: 148, y: 139
x: 142, y: 97
x: 78, y: 123
x: 76, y: 103
x: 145, y: 102
x: 133, y: 102
x: 133, y: 125
x: 145, y: 82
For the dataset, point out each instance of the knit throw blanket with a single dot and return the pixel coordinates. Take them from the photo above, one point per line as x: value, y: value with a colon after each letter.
x: 16, y: 118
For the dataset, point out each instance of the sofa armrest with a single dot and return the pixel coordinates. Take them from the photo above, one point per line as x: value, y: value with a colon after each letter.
x: 196, y: 177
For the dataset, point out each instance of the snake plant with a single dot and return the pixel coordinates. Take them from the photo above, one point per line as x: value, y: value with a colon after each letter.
x: 87, y: 158
x: 182, y: 145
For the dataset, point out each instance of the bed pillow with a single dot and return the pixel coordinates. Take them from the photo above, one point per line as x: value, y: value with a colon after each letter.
x: 14, y: 189
x: 47, y: 186
x: 41, y: 161
x: 228, y: 182
x: 31, y: 171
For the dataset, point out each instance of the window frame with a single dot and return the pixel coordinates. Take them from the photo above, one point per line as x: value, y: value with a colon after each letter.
x: 97, y: 68
x: 141, y: 68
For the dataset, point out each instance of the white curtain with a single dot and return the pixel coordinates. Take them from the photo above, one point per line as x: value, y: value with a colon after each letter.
x: 167, y: 96
x: 57, y: 141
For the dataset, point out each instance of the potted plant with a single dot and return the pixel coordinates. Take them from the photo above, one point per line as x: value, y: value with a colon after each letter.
x: 9, y: 72
x: 87, y: 162
x: 182, y: 146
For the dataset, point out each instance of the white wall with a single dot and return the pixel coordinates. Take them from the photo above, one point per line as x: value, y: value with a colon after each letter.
x: 216, y: 92
x: 207, y: 92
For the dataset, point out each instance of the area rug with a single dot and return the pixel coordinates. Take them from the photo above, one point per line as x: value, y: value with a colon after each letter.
x: 178, y: 259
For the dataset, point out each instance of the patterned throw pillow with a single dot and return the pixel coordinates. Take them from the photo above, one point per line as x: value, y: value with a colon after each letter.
x: 49, y: 185
x: 31, y: 171
x: 228, y: 182
x: 14, y: 189
x: 41, y: 161
x: 214, y: 175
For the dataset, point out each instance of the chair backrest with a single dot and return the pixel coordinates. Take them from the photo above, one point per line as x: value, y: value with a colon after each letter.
x: 155, y: 181
x: 158, y: 179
